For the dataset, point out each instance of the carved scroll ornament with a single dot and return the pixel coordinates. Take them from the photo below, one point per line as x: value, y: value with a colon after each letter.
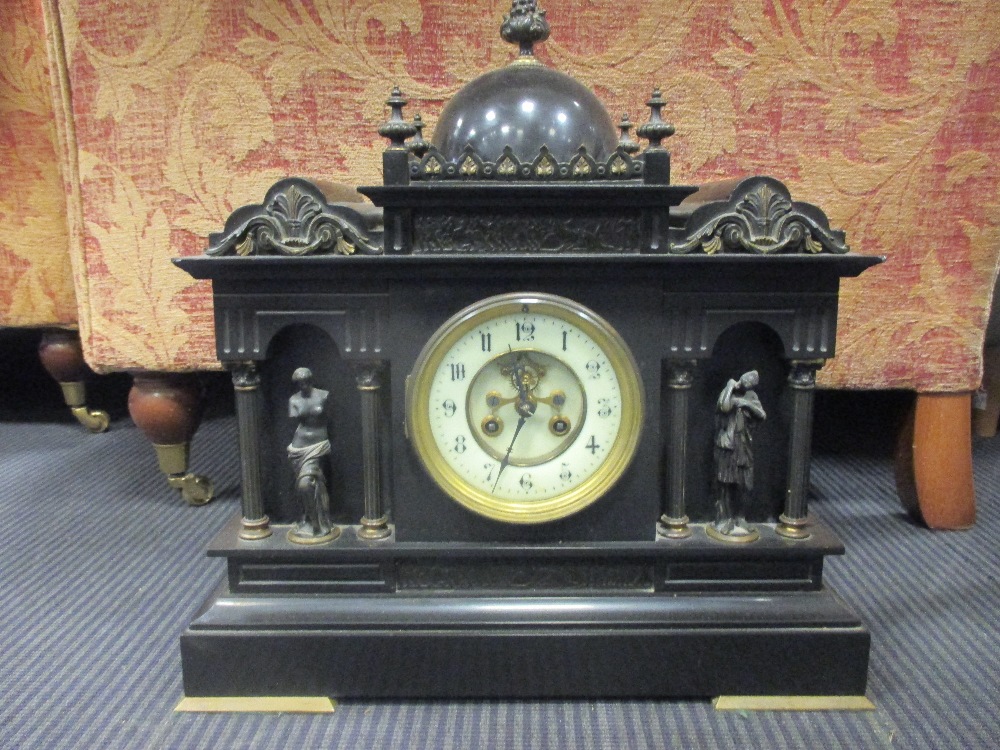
x: 758, y: 217
x: 295, y: 219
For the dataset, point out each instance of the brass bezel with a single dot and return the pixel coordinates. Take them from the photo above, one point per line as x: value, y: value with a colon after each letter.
x: 519, y: 511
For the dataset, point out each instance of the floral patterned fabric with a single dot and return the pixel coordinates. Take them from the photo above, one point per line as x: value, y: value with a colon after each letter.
x: 884, y: 114
x: 36, y: 280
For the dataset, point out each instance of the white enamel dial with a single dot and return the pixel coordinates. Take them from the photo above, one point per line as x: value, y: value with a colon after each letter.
x: 525, y: 407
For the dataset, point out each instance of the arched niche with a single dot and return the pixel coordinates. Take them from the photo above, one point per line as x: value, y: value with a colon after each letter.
x: 308, y: 345
x: 739, y: 348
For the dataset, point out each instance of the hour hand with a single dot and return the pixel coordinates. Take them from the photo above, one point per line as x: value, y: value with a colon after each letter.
x: 526, y: 405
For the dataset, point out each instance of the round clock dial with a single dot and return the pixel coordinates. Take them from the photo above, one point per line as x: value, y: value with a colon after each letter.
x: 525, y: 408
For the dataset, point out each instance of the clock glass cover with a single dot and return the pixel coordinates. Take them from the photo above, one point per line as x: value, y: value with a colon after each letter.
x: 525, y: 408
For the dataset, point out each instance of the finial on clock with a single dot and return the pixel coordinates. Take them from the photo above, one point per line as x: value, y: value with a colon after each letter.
x: 524, y: 26
x: 655, y: 130
x: 418, y: 146
x: 625, y: 141
x: 397, y: 130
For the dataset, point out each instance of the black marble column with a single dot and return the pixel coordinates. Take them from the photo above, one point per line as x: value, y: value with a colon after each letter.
x: 249, y: 410
x: 674, y: 522
x: 802, y: 384
x: 375, y: 522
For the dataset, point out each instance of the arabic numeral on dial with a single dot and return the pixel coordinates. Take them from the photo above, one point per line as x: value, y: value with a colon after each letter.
x: 593, y: 445
x: 565, y: 474
x: 526, y: 482
x: 594, y: 369
x: 449, y: 408
x: 604, y: 408
x: 460, y: 446
x: 525, y: 331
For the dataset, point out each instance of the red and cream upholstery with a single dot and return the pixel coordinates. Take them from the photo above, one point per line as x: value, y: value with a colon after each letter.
x: 36, y: 273
x: 171, y: 115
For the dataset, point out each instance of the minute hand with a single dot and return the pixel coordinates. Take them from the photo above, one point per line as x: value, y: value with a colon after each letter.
x: 505, y: 462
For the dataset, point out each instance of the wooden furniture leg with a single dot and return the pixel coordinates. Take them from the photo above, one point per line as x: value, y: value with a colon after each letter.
x: 934, y: 461
x: 62, y: 357
x: 986, y: 419
x: 167, y: 407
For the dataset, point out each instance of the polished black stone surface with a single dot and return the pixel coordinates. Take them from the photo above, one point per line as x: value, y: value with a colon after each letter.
x: 594, y: 604
x: 363, y: 619
x: 525, y: 106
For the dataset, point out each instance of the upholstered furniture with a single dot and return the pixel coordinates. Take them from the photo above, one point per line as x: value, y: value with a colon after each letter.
x: 171, y: 115
x: 36, y: 276
x: 986, y: 417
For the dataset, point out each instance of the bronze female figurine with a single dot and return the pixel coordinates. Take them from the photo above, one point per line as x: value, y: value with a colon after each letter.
x: 737, y: 411
x: 310, y: 444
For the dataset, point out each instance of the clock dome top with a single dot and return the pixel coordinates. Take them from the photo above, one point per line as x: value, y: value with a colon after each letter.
x: 525, y: 105
x: 524, y: 121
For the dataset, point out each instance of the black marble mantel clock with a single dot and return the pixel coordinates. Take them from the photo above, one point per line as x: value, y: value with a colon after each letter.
x: 535, y: 424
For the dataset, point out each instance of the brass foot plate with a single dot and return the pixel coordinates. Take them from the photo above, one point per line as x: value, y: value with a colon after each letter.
x: 257, y: 704
x: 793, y: 703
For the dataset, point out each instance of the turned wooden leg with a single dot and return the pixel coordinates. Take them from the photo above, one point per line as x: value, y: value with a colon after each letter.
x: 167, y: 407
x: 985, y: 419
x: 62, y: 357
x: 934, y: 461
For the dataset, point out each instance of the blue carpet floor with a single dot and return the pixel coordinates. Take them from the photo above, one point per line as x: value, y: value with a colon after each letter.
x: 102, y: 567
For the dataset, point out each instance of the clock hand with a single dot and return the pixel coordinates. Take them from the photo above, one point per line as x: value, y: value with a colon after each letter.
x: 505, y: 462
x: 522, y: 388
x: 525, y: 408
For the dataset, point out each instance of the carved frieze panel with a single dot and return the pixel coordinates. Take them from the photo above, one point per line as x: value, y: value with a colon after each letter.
x: 510, y: 234
x: 517, y: 575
